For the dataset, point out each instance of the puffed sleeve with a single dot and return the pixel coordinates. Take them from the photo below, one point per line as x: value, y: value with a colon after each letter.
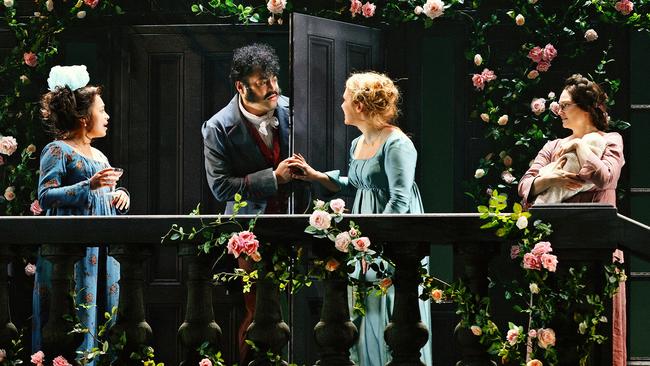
x: 51, y: 191
x: 544, y: 157
x: 604, y: 171
x: 221, y: 179
x: 400, y: 160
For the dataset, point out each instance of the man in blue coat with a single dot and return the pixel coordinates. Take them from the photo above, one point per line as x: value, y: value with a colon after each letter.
x: 246, y: 143
x: 245, y: 146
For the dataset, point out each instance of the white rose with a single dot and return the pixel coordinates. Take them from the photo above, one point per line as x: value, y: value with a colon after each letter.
x: 433, y: 8
x: 479, y: 173
x: 551, y: 95
x: 49, y: 4
x: 271, y: 20
x: 478, y: 60
x: 319, y: 204
x: 418, y: 10
x: 503, y: 120
x: 520, y: 20
x: 522, y: 222
x: 81, y: 14
x: 582, y: 328
x: 342, y: 241
x: 485, y: 117
x: 337, y: 206
x: 9, y: 3
x: 534, y: 289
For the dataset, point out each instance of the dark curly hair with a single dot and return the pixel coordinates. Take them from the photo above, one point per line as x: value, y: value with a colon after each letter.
x: 62, y: 109
x: 589, y: 97
x: 255, y: 57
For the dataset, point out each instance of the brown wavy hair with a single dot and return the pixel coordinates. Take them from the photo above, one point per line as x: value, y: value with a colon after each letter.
x: 62, y: 109
x: 589, y: 97
x: 378, y: 95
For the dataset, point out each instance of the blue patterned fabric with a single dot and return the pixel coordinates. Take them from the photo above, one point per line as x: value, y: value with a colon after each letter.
x: 385, y: 184
x: 64, y: 190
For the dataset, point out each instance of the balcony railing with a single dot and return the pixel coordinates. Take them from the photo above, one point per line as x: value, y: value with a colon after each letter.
x: 578, y: 229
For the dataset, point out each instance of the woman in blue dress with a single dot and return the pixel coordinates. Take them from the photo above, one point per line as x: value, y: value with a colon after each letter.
x: 382, y: 170
x: 76, y: 179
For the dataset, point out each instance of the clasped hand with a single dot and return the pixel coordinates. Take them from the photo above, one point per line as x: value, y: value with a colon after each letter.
x: 559, y: 177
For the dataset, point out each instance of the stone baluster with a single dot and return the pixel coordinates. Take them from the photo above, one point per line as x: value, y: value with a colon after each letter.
x: 476, y: 258
x: 130, y: 310
x: 56, y: 340
x: 7, y: 328
x: 268, y: 331
x: 335, y: 333
x: 199, y: 325
x: 406, y: 334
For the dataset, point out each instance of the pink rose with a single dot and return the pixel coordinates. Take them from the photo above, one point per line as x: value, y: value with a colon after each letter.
x: 532, y: 333
x: 591, y: 35
x: 332, y: 265
x: 535, y: 54
x: 538, y: 106
x: 549, y: 53
x: 30, y: 269
x: 543, y: 66
x: 36, y: 209
x: 433, y: 8
x: 8, y: 145
x: 321, y: 220
x: 488, y: 75
x: 532, y: 262
x: 205, y: 362
x: 507, y: 177
x: 436, y: 295
x: 355, y: 7
x: 555, y: 108
x: 549, y: 261
x: 30, y: 59
x: 60, y: 361
x: 342, y: 242
x: 418, y: 10
x: 478, y: 81
x: 235, y: 245
x: 520, y: 20
x: 3, y: 355
x: 533, y: 74
x: 361, y: 244
x: 541, y: 248
x: 512, y: 336
x: 368, y: 9
x: 337, y: 206
x: 276, y: 6
x: 38, y: 358
x: 534, y: 362
x: 625, y: 7
x: 546, y: 337
x: 250, y: 242
x: 353, y: 232
x: 91, y: 3
x: 514, y: 251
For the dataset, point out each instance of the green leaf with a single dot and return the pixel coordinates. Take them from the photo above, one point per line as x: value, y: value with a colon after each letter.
x: 195, y: 8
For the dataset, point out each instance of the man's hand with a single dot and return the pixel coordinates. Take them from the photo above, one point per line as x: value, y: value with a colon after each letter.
x: 282, y: 172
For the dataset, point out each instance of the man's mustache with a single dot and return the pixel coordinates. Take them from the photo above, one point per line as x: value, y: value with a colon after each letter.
x: 270, y: 94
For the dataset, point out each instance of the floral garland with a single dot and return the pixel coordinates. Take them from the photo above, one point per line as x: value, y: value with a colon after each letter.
x: 23, y: 72
x: 351, y: 257
x: 544, y: 298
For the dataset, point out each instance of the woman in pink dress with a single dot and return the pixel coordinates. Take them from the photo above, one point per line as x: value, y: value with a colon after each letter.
x: 582, y: 109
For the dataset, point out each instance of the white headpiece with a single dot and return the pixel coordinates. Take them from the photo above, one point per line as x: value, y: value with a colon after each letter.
x: 74, y: 77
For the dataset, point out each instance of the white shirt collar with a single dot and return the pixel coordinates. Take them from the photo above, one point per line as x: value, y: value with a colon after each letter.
x: 261, y: 122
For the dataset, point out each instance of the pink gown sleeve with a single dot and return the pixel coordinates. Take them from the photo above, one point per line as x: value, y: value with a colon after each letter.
x: 544, y: 157
x: 604, y: 171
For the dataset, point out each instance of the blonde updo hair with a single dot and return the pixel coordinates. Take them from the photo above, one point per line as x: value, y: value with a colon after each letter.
x: 378, y: 95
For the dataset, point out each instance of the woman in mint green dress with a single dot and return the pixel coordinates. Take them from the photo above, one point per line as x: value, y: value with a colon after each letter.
x: 76, y: 179
x: 382, y: 171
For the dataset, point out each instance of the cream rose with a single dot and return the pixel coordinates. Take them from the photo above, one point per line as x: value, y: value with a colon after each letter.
x: 546, y: 337
x: 321, y: 220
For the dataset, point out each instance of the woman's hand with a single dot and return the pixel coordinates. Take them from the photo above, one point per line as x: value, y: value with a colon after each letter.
x: 559, y: 177
x: 121, y: 200
x: 301, y: 170
x: 571, y: 145
x: 103, y: 178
